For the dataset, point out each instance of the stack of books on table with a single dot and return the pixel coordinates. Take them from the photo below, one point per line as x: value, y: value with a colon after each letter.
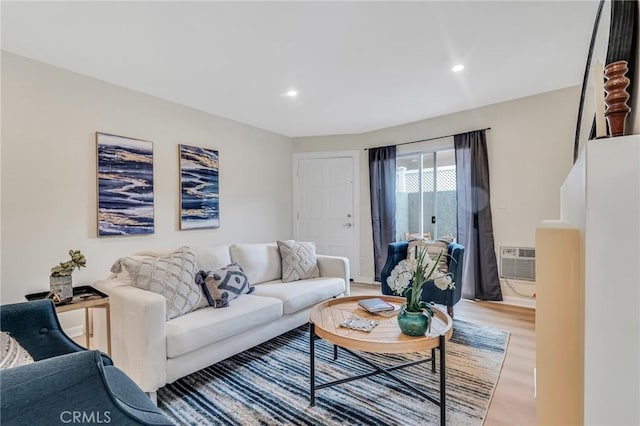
x: 377, y: 306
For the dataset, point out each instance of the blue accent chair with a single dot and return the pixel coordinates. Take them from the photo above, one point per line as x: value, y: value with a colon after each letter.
x: 430, y: 293
x: 67, y: 383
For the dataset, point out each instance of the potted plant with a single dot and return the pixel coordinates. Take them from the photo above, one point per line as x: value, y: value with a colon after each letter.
x: 60, y: 280
x: 407, y: 279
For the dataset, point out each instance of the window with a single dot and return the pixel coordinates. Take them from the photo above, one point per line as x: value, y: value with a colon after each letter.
x: 426, y: 194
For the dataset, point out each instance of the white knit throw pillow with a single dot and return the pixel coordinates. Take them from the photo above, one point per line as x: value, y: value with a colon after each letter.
x: 299, y: 260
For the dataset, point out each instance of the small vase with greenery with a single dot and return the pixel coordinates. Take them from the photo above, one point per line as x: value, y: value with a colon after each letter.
x: 60, y: 280
x: 407, y: 279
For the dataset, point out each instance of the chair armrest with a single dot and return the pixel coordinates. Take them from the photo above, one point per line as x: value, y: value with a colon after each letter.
x: 335, y: 266
x: 36, y: 327
x: 52, y: 390
x: 131, y: 399
x: 138, y: 333
x: 395, y: 253
x: 455, y: 263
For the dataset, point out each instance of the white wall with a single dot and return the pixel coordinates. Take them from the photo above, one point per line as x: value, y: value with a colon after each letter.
x: 530, y: 153
x: 611, y: 394
x: 50, y: 117
x: 0, y: 178
x: 612, y: 164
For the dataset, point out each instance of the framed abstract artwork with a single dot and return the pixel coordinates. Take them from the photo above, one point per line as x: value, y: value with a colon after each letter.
x: 199, y: 188
x: 125, y: 185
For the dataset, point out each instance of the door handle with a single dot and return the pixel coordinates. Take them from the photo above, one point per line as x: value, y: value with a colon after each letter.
x: 347, y: 225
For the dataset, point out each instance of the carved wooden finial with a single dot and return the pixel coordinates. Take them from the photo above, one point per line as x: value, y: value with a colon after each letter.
x: 617, y: 96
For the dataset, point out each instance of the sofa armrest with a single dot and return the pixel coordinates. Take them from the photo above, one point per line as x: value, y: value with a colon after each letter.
x: 138, y: 333
x: 335, y: 266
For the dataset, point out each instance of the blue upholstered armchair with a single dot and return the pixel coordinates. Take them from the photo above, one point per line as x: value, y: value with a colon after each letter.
x: 67, y: 383
x: 430, y: 293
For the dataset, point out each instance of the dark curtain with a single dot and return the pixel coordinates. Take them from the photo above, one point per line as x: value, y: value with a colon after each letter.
x: 475, y: 228
x: 382, y: 185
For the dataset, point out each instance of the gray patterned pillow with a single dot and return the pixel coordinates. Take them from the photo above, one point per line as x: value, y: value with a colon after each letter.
x: 223, y: 285
x: 171, y: 275
x: 299, y: 260
x: 11, y: 353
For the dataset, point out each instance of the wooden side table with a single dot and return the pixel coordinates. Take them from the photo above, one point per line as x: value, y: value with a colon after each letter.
x: 84, y: 297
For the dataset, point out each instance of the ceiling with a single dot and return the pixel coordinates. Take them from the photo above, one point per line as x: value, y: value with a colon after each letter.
x: 358, y: 66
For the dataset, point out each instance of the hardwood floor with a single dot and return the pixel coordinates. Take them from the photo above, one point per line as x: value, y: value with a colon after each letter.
x: 513, y: 402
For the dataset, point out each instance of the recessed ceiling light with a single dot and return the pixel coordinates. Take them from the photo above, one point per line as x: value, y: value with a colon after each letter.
x: 292, y: 93
x: 457, y: 68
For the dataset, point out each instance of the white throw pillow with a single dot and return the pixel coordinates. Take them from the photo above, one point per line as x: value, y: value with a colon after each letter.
x: 260, y: 262
x: 11, y: 353
x: 299, y: 261
x: 171, y: 275
x: 211, y: 258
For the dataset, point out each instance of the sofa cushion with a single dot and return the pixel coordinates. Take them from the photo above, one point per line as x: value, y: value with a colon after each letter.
x: 206, y: 326
x: 171, y: 275
x: 12, y: 354
x: 223, y: 285
x: 299, y: 261
x: 303, y: 294
x: 261, y: 262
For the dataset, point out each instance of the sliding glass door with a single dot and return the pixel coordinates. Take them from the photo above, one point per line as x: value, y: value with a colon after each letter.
x: 426, y: 194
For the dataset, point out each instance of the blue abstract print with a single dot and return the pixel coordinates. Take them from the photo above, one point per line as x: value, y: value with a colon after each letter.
x: 199, y: 190
x: 125, y: 186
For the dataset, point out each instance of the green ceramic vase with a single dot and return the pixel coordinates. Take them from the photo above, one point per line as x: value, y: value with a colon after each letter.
x: 413, y: 323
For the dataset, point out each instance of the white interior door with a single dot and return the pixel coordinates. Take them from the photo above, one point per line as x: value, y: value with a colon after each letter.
x: 325, y: 203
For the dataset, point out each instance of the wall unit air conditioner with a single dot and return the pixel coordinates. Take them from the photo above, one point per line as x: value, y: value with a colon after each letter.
x: 518, y: 263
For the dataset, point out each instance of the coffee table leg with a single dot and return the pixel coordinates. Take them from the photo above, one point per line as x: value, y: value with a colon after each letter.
x: 433, y: 360
x: 335, y: 352
x: 312, y: 363
x: 443, y: 398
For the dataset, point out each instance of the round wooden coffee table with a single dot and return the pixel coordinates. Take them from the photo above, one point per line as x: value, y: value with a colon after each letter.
x: 386, y: 337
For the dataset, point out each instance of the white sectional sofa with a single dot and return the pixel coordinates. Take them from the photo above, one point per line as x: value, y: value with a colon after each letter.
x: 154, y: 351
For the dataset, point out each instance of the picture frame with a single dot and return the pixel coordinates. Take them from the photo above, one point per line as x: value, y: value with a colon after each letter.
x: 199, y: 187
x: 124, y: 178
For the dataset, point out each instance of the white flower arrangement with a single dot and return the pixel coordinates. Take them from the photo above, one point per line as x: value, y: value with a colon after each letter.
x: 444, y: 282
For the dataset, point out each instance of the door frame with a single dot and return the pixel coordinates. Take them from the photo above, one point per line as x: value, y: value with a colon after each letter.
x: 355, y: 163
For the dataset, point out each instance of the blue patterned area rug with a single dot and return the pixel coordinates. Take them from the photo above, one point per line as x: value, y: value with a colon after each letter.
x: 269, y: 385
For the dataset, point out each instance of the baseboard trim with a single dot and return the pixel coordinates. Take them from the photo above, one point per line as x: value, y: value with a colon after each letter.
x: 75, y: 331
x: 517, y: 301
x: 367, y: 280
